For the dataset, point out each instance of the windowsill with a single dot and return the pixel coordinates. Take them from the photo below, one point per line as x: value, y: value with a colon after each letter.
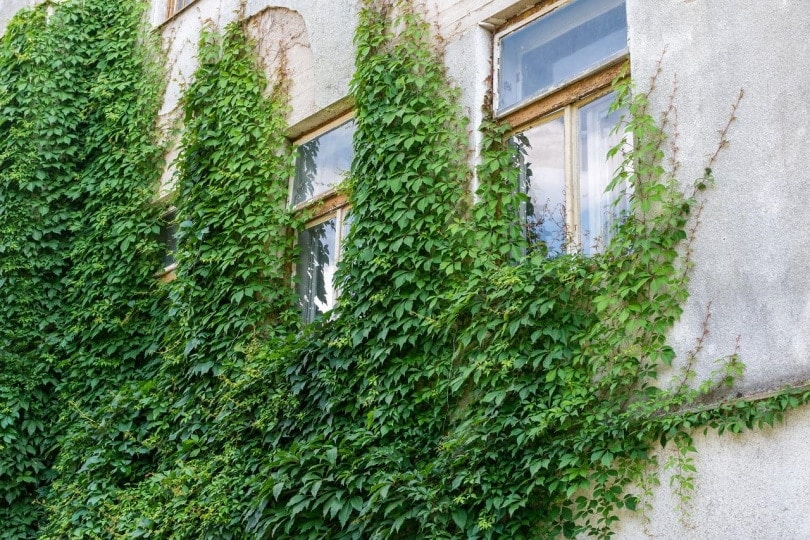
x: 168, y: 274
x: 315, y: 200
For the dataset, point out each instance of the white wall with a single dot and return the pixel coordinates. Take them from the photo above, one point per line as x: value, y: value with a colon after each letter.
x: 752, y: 486
x: 753, y: 248
x: 9, y: 7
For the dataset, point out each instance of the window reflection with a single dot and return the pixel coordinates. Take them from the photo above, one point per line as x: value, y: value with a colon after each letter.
x: 168, y: 238
x: 543, y: 180
x: 597, y: 135
x: 322, y: 162
x: 550, y: 185
x: 559, y: 47
x: 316, y: 269
x: 177, y: 5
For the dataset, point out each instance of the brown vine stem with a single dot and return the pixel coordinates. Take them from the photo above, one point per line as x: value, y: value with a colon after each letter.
x: 724, y: 132
x: 691, y: 356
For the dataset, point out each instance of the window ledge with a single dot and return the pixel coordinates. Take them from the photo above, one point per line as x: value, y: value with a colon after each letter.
x: 168, y: 273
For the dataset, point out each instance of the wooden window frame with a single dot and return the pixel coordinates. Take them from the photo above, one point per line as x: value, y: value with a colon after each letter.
x: 172, y: 9
x: 564, y: 100
x: 326, y: 205
x: 555, y: 97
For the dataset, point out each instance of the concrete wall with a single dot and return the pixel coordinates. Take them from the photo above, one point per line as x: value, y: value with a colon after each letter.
x: 319, y: 58
x: 9, y: 7
x: 752, y: 249
x: 748, y: 487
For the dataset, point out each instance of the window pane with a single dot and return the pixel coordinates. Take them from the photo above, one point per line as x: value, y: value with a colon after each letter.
x: 543, y: 180
x: 316, y: 269
x: 322, y: 162
x: 559, y: 47
x: 597, y: 211
x: 180, y: 4
x: 168, y: 238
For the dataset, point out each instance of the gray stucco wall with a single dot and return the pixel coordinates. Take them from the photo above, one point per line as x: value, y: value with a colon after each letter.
x: 752, y: 250
x: 9, y: 7
x: 748, y: 487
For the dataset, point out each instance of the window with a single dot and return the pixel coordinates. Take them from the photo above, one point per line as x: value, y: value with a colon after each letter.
x: 176, y: 6
x: 321, y: 163
x: 168, y: 239
x: 553, y: 85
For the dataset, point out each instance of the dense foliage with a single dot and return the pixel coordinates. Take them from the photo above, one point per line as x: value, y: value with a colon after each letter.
x: 465, y: 385
x: 78, y: 166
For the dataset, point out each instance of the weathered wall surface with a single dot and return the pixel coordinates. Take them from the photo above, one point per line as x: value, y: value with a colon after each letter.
x: 750, y: 486
x: 311, y: 40
x: 752, y: 250
x: 9, y: 7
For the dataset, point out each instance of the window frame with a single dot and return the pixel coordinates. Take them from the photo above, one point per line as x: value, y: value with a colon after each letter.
x: 172, y: 9
x: 168, y: 239
x: 556, y: 95
x: 321, y: 207
x: 564, y: 100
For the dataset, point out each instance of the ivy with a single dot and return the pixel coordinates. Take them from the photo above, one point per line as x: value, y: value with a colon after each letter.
x: 231, y: 307
x: 78, y: 172
x: 466, y: 384
x: 180, y: 444
x: 27, y: 292
x: 371, y: 410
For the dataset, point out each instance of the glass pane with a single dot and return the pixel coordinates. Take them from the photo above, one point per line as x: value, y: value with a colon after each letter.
x: 168, y: 238
x: 559, y: 47
x: 316, y: 269
x: 597, y: 211
x: 322, y: 162
x: 180, y: 4
x: 543, y: 180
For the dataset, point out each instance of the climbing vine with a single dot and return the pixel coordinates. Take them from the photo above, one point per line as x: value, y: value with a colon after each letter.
x: 28, y: 293
x: 78, y: 169
x: 466, y: 385
x: 185, y: 462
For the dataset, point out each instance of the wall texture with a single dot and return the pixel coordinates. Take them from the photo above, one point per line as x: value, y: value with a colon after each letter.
x: 752, y: 251
x: 9, y: 7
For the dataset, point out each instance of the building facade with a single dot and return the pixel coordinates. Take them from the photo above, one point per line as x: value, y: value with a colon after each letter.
x: 549, y: 65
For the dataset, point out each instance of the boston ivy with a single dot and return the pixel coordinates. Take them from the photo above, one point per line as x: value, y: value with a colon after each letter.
x: 466, y: 385
x: 78, y: 168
